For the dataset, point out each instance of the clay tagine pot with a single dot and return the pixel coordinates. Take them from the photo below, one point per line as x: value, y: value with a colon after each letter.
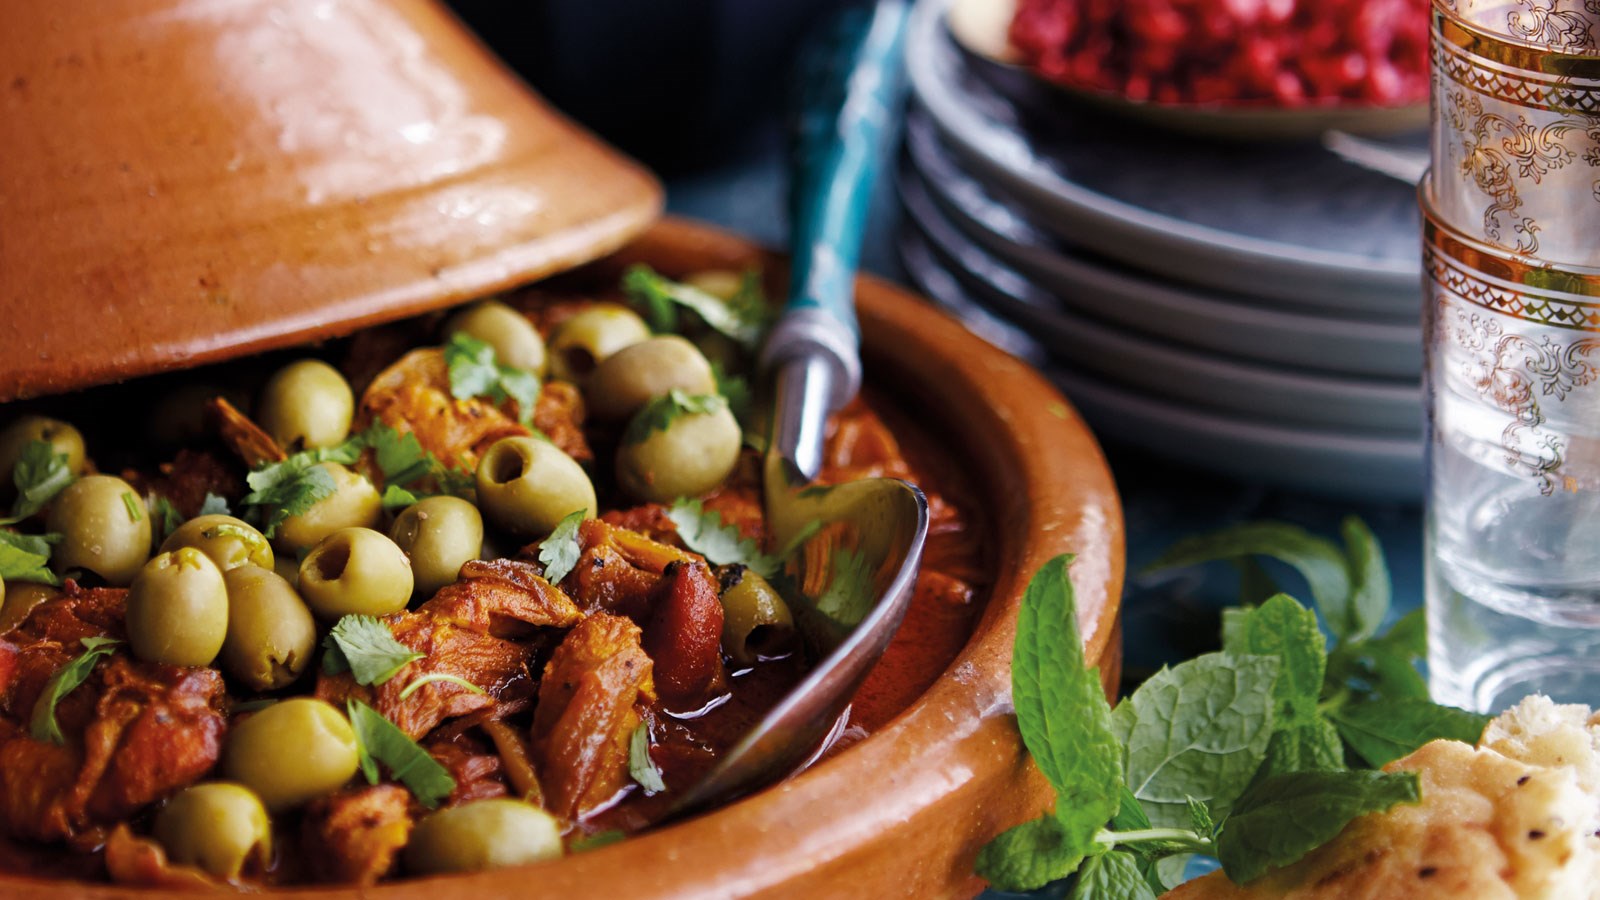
x: 189, y: 180
x: 904, y: 812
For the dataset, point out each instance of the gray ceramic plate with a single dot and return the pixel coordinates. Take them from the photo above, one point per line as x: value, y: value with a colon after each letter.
x: 1273, y: 220
x: 1373, y: 341
x: 1326, y: 461
x: 1251, y: 390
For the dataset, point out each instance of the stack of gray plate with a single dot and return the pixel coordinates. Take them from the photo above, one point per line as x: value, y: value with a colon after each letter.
x: 1248, y: 308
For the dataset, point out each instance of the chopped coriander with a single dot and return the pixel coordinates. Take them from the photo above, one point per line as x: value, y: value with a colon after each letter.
x: 130, y: 502
x: 215, y: 505
x: 399, y: 455
x: 378, y: 740
x: 703, y: 531
x: 23, y: 557
x: 41, y: 473
x: 560, y: 551
x: 474, y: 372
x: 662, y: 411
x: 640, y: 765
x: 164, y: 517
x: 291, y: 487
x: 597, y: 840
x: 396, y: 497
x: 742, y: 317
x: 417, y: 683
x: 42, y: 724
x: 848, y: 596
x: 736, y: 389
x: 365, y: 647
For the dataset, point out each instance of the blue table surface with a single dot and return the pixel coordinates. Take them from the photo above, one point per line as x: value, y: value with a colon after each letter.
x: 1167, y: 617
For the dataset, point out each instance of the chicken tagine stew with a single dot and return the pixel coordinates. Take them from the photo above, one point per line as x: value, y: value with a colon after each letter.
x: 464, y: 592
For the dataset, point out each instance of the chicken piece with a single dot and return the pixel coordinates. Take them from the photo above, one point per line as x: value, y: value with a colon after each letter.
x: 354, y: 836
x: 188, y: 478
x: 141, y: 862
x: 250, y: 441
x: 684, y: 637
x: 477, y: 770
x: 413, y: 395
x: 457, y: 632
x: 588, y: 709
x: 618, y: 571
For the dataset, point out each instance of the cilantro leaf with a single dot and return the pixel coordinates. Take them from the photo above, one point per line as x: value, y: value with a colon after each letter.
x: 41, y: 473
x: 42, y: 723
x: 215, y: 505
x: 560, y: 551
x: 164, y: 517
x: 378, y: 740
x: 1199, y: 729
x: 1031, y: 855
x: 597, y: 840
x: 1382, y: 732
x: 1287, y: 816
x: 704, y: 531
x: 848, y: 596
x: 399, y: 455
x: 23, y: 557
x: 1111, y: 876
x: 294, y: 485
x: 736, y: 389
x: 474, y: 372
x: 396, y: 497
x: 742, y: 317
x: 1284, y: 629
x: 640, y: 766
x: 365, y: 646
x: 661, y: 412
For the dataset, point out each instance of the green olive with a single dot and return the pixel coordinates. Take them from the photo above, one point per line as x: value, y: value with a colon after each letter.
x: 755, y: 620
x: 228, y: 541
x: 16, y: 437
x: 355, y: 570
x: 632, y: 376
x: 482, y: 835
x: 514, y: 339
x: 306, y: 404
x: 20, y: 599
x: 587, y: 338
x: 527, y: 486
x: 219, y: 827
x: 104, y: 528
x: 177, y: 609
x: 691, y: 456
x: 354, y: 503
x: 439, y: 534
x: 291, y: 752
x: 271, y: 634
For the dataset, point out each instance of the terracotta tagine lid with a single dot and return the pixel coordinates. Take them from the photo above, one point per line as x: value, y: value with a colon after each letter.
x: 189, y: 180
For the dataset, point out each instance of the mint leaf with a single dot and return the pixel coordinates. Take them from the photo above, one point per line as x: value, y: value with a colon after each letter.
x: 1032, y: 855
x: 1199, y: 729
x: 1321, y: 563
x: 379, y: 741
x: 1383, y: 666
x: 1286, y: 630
x: 703, y: 531
x: 23, y: 557
x: 365, y: 646
x: 661, y: 412
x: 1369, y: 581
x: 1285, y: 817
x: 1130, y: 815
x: 42, y: 723
x: 41, y: 473
x: 560, y: 551
x: 474, y: 372
x: 742, y: 318
x: 1111, y: 876
x: 1313, y: 746
x: 1200, y: 821
x: 640, y: 766
x: 1385, y: 731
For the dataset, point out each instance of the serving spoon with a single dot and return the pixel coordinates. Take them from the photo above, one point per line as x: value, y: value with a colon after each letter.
x: 860, y: 542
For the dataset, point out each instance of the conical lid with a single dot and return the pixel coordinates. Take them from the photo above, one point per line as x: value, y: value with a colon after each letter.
x: 183, y: 181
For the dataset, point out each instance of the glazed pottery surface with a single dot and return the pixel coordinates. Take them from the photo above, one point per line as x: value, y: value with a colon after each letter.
x: 904, y: 812
x: 190, y: 180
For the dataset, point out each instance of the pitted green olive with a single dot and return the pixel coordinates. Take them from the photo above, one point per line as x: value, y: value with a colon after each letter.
x: 271, y: 634
x: 230, y: 542
x: 755, y: 620
x: 16, y: 437
x: 104, y: 528
x: 20, y: 599
x: 354, y: 503
x: 526, y: 486
x: 482, y: 835
x: 220, y: 828
x: 587, y: 338
x: 306, y: 404
x: 514, y: 339
x: 177, y: 609
x: 634, y: 375
x: 355, y: 570
x: 691, y: 456
x: 439, y: 534
x: 292, y: 752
